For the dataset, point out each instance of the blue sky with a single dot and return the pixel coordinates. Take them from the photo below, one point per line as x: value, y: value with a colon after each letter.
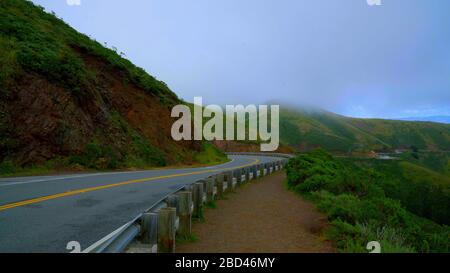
x: 345, y: 56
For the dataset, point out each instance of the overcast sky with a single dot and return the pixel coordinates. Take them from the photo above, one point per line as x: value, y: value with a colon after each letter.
x: 342, y: 55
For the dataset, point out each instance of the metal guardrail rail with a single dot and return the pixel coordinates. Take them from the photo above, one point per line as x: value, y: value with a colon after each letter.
x: 120, y: 239
x: 261, y: 154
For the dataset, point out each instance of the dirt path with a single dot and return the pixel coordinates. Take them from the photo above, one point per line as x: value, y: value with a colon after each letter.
x: 260, y: 217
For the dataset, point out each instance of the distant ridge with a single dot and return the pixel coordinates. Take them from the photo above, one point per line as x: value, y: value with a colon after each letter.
x: 305, y: 129
x: 439, y: 119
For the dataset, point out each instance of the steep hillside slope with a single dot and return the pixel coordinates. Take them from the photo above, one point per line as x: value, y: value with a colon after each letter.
x: 65, y: 97
x: 363, y: 196
x: 307, y: 129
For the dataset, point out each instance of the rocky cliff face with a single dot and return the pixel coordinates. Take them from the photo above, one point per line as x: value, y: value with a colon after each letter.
x: 45, y: 120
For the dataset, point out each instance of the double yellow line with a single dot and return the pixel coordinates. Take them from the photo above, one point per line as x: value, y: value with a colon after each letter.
x: 75, y: 192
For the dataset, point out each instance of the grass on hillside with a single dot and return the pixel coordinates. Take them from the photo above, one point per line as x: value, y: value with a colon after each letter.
x: 436, y: 161
x: 62, y: 165
x: 374, y: 202
x: 32, y: 40
x: 98, y: 157
x: 210, y: 155
x: 305, y: 130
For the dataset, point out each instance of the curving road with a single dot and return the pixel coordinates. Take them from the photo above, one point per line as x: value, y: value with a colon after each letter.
x: 42, y: 214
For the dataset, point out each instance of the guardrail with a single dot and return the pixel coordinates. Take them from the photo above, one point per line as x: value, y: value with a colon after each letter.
x: 155, y: 230
x: 261, y: 154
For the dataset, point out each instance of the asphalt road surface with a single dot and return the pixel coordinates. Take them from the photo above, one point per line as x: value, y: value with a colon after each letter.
x: 43, y: 214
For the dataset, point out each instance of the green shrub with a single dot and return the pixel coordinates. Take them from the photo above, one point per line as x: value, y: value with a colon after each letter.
x: 149, y: 154
x: 96, y: 156
x: 347, y: 237
x: 7, y: 167
x: 343, y: 207
x: 357, y: 201
x: 209, y: 154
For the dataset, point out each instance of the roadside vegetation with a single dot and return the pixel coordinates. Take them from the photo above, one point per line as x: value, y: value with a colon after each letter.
x: 70, y: 103
x: 210, y: 155
x: 98, y: 157
x: 402, y: 205
x: 48, y: 46
x: 436, y: 161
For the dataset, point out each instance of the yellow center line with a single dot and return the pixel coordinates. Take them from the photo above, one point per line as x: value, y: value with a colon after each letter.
x: 75, y: 192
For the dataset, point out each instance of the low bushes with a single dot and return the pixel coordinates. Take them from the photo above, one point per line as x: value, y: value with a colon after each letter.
x: 358, y: 207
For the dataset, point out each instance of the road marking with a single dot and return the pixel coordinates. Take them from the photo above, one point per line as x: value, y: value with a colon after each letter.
x: 4, y: 184
x: 104, y: 239
x: 50, y: 178
x: 85, y: 190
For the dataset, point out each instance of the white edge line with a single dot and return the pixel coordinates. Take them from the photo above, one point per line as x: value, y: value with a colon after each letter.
x: 5, y: 184
x: 104, y: 239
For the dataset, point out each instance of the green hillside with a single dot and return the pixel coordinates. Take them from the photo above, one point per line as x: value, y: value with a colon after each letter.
x: 404, y: 206
x: 307, y: 129
x: 33, y: 40
x: 67, y: 100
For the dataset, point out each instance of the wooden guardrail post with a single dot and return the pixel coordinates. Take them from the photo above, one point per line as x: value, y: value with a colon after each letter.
x: 210, y: 190
x: 247, y: 174
x: 219, y: 185
x: 203, y: 182
x: 228, y: 177
x: 149, y: 231
x: 254, y: 172
x: 172, y: 201
x: 197, y: 198
x: 166, y: 230
x: 185, y: 213
x: 237, y: 174
x: 242, y: 175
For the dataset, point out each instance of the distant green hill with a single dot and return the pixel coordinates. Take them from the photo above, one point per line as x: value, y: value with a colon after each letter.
x: 307, y: 129
x: 440, y: 119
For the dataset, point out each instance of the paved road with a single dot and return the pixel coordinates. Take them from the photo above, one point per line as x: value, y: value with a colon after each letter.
x: 42, y: 214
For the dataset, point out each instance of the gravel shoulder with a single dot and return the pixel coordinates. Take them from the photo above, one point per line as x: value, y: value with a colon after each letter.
x: 260, y: 217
